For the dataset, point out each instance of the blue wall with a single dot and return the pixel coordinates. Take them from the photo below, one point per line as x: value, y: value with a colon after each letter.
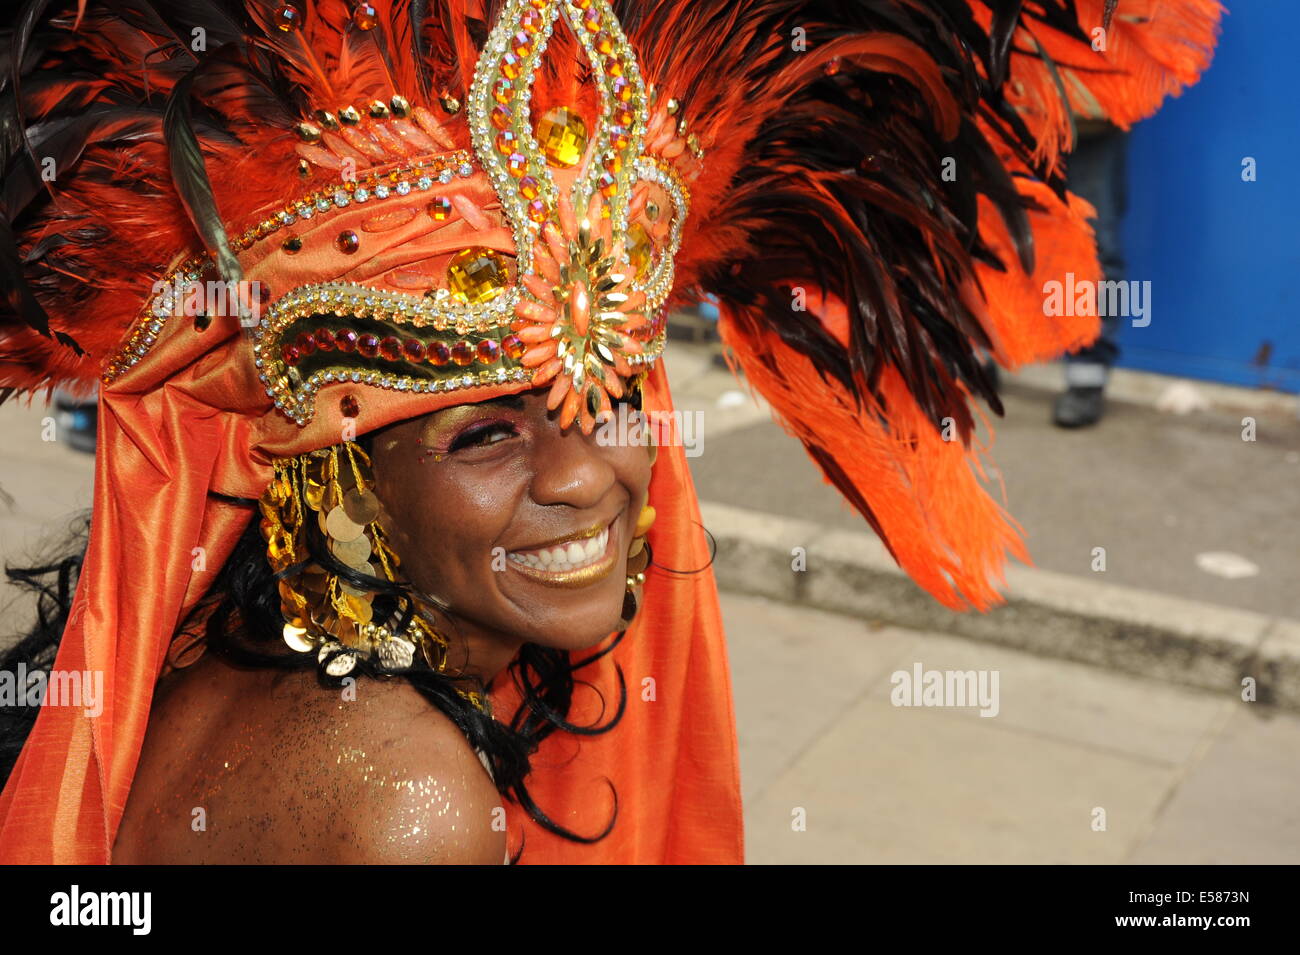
x: 1222, y: 254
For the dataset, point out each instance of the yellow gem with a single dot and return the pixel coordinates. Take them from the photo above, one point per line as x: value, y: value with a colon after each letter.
x: 637, y: 245
x: 562, y: 135
x: 476, y: 275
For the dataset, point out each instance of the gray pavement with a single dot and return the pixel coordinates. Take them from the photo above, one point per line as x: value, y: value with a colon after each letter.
x: 1182, y: 776
x: 1198, y: 528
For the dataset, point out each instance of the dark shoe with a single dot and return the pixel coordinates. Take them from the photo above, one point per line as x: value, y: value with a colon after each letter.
x: 1078, y: 408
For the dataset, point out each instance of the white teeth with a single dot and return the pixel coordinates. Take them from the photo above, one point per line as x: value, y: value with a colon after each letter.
x: 571, y: 556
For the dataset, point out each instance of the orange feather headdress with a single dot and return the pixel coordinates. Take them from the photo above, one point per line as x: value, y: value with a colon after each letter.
x: 427, y: 204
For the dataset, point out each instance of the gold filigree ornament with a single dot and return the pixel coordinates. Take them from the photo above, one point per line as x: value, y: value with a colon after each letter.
x: 587, y: 312
x: 327, y: 497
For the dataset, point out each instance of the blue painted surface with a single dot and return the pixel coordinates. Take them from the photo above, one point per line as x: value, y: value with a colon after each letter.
x: 1222, y: 254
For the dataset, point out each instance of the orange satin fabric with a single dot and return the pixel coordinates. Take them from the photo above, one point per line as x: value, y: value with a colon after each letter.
x: 672, y: 758
x: 191, y: 418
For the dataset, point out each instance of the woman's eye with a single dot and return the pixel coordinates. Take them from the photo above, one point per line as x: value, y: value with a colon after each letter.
x: 480, y: 437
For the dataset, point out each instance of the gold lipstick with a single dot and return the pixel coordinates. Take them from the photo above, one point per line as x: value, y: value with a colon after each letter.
x: 583, y: 576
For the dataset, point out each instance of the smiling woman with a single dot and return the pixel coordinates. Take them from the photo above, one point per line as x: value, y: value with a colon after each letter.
x: 511, y: 533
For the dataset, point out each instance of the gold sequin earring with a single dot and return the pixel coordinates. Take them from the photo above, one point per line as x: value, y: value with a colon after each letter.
x: 324, y: 610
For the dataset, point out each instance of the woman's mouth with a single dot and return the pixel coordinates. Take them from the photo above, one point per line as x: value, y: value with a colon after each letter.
x: 576, y: 562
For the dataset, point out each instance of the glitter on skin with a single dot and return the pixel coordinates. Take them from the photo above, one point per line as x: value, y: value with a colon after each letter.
x: 287, y: 772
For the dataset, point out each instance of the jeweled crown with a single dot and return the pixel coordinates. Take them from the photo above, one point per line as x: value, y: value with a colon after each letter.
x: 544, y: 257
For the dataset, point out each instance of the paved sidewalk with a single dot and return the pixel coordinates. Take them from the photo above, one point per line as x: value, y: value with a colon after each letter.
x: 1182, y: 776
x: 1200, y: 530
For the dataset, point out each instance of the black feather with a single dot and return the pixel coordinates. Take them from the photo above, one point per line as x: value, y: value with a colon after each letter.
x: 1006, y: 19
x: 190, y: 176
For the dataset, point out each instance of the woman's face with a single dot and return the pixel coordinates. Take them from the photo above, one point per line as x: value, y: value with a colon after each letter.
x: 521, y: 529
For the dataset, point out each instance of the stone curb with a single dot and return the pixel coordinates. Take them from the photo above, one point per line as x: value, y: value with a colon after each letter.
x: 1145, y: 388
x: 1050, y: 614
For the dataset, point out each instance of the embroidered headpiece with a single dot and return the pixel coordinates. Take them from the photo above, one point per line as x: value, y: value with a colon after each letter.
x: 570, y: 293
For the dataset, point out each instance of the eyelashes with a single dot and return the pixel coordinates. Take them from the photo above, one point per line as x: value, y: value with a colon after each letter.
x: 488, y: 432
x: 479, y: 435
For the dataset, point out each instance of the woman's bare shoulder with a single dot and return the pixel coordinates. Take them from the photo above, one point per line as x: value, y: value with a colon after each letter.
x: 256, y: 766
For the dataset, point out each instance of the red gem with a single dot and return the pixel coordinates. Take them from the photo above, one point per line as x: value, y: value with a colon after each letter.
x: 324, y: 339
x: 346, y: 339
x: 531, y: 21
x: 439, y: 354
x: 506, y: 142
x: 287, y: 19
x: 488, y: 351
x: 514, y: 346
x: 364, y: 17
x: 347, y: 242
x: 537, y: 210
x: 350, y: 406
x: 462, y: 353
x: 306, y: 344
x: 368, y: 345
x: 391, y: 347
x: 290, y: 354
x: 413, y: 349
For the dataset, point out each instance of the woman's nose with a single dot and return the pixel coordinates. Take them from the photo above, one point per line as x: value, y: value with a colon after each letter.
x: 571, y: 468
